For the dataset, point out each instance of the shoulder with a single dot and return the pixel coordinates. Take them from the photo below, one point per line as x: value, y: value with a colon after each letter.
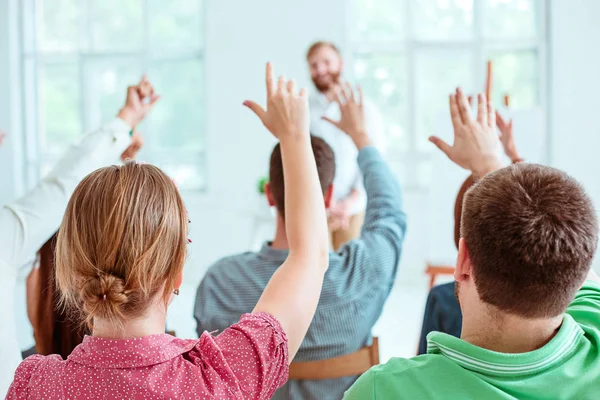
x: 585, y: 307
x: 32, y: 369
x: 36, y: 361
x: 229, y: 266
x: 398, y: 378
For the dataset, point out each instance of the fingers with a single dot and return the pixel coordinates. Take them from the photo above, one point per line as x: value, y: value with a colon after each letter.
x: 338, y: 96
x: 291, y: 86
x: 256, y: 109
x: 455, y: 113
x: 349, y: 92
x: 145, y: 88
x: 491, y: 115
x: 281, y: 83
x: 270, y: 80
x: 303, y: 93
x: 443, y: 146
x: 500, y: 122
x: 334, y: 123
x: 154, y: 99
x: 132, y: 90
x: 143, y: 82
x: 482, y: 111
x: 463, y: 106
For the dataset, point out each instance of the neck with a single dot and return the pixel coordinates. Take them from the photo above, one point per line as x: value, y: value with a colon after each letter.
x: 508, y: 333
x: 280, y: 241
x: 151, y: 323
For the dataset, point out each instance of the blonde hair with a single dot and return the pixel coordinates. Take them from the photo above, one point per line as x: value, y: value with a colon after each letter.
x: 123, y: 239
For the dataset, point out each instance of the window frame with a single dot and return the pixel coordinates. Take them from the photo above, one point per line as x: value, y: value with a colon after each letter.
x: 409, y: 47
x: 32, y: 60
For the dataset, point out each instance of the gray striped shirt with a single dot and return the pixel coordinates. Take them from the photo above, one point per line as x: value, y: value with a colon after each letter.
x: 356, y: 286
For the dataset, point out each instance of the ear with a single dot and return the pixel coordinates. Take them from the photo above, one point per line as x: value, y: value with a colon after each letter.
x: 328, y: 196
x: 269, y: 194
x: 463, y: 262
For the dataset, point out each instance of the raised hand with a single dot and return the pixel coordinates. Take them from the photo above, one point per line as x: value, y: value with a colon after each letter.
x: 140, y: 100
x: 293, y: 291
x: 507, y: 139
x: 339, y: 214
x: 2, y: 136
x: 287, y: 112
x: 476, y: 145
x: 352, y: 120
x: 136, y: 144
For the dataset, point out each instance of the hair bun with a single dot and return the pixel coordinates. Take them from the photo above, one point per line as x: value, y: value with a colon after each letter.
x: 103, y: 295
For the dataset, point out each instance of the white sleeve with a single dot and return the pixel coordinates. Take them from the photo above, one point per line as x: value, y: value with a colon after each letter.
x: 28, y: 223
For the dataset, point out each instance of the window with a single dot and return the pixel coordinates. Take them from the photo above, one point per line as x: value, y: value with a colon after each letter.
x: 410, y: 54
x: 80, y: 55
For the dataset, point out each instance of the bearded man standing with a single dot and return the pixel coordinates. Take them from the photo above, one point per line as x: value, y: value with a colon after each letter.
x: 347, y: 210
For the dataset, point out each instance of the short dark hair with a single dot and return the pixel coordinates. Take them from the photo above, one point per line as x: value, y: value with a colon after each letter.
x: 325, y: 167
x: 317, y: 45
x: 531, y: 233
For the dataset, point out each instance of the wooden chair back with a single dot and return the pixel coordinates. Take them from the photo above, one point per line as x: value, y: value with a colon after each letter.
x: 351, y: 364
x: 434, y: 270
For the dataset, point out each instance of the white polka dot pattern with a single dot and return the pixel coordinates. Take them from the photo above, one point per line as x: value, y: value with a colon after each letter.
x: 249, y: 360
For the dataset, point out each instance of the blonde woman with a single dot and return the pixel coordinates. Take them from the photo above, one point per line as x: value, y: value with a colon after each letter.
x: 120, y: 255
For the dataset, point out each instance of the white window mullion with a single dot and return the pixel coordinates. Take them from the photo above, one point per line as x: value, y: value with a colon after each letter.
x: 479, y: 59
x: 146, y: 61
x: 410, y: 164
x: 34, y: 131
x: 82, y: 63
x: 546, y: 75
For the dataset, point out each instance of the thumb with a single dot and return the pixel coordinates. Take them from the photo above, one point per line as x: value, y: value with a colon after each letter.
x: 256, y: 109
x: 150, y: 105
x: 154, y: 99
x: 443, y: 146
x: 334, y: 123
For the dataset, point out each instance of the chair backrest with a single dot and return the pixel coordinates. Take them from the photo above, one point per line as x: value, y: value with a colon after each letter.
x: 347, y: 365
x: 434, y: 270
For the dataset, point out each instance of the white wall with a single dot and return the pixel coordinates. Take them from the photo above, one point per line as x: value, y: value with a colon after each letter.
x: 575, y: 92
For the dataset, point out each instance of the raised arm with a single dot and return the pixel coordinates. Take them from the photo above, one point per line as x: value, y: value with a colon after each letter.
x: 31, y: 220
x: 385, y: 221
x: 476, y: 146
x: 293, y: 292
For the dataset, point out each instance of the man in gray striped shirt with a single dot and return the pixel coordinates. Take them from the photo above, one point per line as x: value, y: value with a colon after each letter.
x: 360, y: 275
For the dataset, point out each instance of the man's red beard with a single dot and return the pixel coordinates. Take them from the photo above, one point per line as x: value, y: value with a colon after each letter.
x: 328, y: 81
